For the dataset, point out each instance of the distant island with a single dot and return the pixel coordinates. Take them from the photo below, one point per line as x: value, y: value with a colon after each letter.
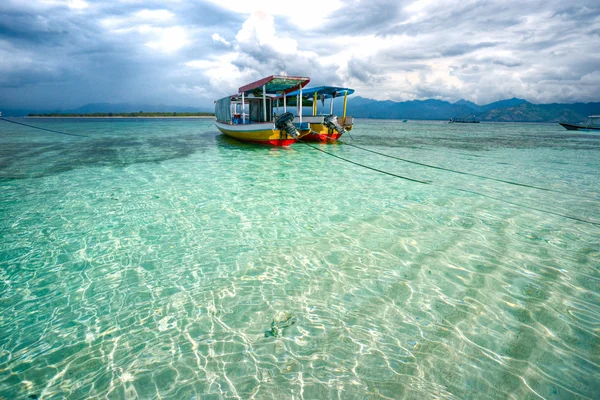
x: 139, y: 114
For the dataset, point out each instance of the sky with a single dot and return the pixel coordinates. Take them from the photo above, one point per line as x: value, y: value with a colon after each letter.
x: 67, y: 53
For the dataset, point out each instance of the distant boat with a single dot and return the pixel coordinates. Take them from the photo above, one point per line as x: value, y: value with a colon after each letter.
x: 248, y: 115
x: 592, y: 124
x: 324, y: 127
x: 463, y: 121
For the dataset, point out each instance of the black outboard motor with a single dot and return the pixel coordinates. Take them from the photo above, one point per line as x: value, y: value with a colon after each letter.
x: 284, y: 123
x: 331, y: 122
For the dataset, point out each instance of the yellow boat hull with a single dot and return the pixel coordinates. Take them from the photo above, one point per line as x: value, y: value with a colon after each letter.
x: 261, y: 133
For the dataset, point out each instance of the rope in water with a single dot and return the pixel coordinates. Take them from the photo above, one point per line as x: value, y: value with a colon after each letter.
x: 366, y: 166
x: 42, y: 129
x: 458, y: 189
x: 470, y: 174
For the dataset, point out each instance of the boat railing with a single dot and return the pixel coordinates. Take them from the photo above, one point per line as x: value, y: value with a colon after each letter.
x: 311, y: 119
x: 347, y: 120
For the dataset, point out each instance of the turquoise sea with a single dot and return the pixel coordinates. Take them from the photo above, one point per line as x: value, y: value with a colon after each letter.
x: 158, y: 259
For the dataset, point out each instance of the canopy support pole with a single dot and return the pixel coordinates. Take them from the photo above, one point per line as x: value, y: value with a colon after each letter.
x: 265, y: 103
x: 300, y: 103
x: 345, y: 102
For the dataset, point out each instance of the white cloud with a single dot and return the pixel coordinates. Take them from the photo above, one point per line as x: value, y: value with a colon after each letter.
x: 257, y: 51
x: 218, y: 38
x: 259, y: 30
x: 151, y: 25
x: 167, y: 40
x: 77, y: 4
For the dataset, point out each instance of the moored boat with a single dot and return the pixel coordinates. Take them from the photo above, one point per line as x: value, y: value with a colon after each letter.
x: 324, y: 127
x: 248, y: 115
x: 592, y: 124
x: 463, y: 121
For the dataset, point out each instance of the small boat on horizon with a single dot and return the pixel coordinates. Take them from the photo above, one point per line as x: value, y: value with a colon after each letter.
x: 463, y: 121
x: 248, y: 115
x: 592, y: 124
x: 323, y: 127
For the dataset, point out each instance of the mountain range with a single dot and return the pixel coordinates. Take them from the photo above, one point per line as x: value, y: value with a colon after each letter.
x: 510, y: 110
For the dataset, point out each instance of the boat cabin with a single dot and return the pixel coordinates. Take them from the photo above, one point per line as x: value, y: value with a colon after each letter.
x: 593, y: 120
x: 255, y: 102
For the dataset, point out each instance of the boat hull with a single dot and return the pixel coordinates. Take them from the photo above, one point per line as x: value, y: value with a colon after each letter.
x: 321, y: 133
x: 571, y: 127
x: 261, y: 133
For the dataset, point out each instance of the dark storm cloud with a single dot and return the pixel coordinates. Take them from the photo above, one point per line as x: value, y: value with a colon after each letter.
x: 208, y: 15
x: 491, y: 49
x: 364, y: 71
x: 464, y: 48
x: 363, y: 16
x: 77, y: 56
x: 54, y: 54
x: 468, y: 17
x: 507, y: 63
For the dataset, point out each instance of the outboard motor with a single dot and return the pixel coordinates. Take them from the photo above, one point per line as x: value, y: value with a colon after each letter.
x: 284, y: 123
x: 331, y: 122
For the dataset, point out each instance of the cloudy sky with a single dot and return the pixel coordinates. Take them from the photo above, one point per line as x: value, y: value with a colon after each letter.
x: 66, y: 53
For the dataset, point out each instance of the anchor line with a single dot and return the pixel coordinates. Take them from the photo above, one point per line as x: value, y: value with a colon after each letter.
x: 43, y: 129
x: 470, y: 174
x: 366, y: 166
x: 457, y: 189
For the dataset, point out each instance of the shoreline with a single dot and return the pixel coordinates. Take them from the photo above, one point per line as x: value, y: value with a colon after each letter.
x: 122, y: 117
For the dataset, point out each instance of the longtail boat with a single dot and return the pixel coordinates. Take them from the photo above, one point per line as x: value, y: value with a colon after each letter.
x: 592, y: 124
x: 463, y: 121
x: 248, y: 115
x: 324, y: 127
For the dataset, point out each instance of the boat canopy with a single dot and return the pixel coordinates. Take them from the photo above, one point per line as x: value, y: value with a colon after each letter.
x: 275, y: 84
x: 325, y: 92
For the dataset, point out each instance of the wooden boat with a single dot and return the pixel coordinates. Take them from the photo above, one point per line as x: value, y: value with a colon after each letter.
x: 248, y: 115
x: 592, y: 124
x: 463, y: 121
x: 324, y: 127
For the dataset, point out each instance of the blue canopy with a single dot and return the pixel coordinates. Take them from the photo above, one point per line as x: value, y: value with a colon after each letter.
x: 325, y: 91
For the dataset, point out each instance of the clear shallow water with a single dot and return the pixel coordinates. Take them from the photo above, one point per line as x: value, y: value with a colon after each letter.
x: 159, y: 259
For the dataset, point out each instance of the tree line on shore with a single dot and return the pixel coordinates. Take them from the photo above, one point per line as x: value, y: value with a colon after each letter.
x: 131, y: 114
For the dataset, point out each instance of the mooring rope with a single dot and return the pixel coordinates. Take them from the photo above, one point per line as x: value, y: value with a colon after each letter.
x: 471, y: 174
x: 366, y: 166
x: 457, y: 189
x: 42, y: 129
